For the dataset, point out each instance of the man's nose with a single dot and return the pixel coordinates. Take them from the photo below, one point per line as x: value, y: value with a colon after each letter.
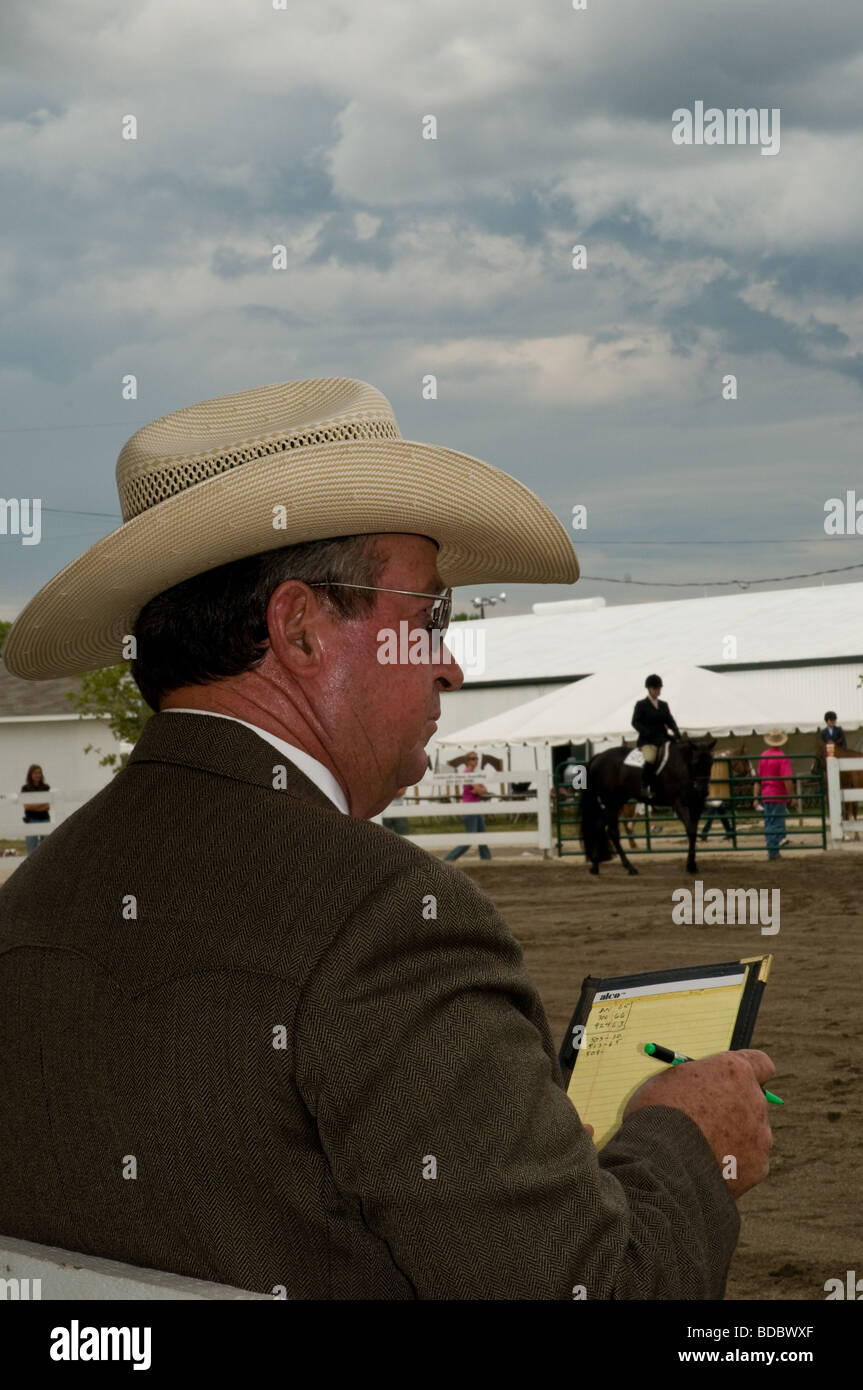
x: 449, y: 674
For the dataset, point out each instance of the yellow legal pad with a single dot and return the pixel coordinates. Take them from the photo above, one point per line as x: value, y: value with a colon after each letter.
x: 697, y: 1011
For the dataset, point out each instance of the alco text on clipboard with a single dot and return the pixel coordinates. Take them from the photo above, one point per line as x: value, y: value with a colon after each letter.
x: 697, y: 1010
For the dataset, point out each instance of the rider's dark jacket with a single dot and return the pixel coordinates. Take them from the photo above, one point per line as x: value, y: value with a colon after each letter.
x: 652, y: 724
x: 833, y: 734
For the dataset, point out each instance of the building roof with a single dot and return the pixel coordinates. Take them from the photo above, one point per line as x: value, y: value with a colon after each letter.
x: 20, y: 699
x: 776, y: 627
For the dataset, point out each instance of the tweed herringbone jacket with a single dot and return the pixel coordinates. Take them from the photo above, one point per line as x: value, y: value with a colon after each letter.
x: 250, y: 1039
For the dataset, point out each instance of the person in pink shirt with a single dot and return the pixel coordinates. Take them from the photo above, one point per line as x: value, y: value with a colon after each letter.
x: 474, y: 824
x: 772, y: 789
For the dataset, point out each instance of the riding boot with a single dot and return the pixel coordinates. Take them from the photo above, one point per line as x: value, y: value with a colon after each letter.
x: 648, y: 781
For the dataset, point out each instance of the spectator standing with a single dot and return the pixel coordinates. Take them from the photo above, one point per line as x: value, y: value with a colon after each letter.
x: 771, y: 788
x: 473, y: 824
x: 719, y: 797
x: 39, y: 811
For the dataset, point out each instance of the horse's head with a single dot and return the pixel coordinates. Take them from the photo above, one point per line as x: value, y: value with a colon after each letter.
x: 698, y: 756
x: 735, y: 758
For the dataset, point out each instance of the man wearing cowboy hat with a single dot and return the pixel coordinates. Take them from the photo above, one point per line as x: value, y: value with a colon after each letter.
x: 251, y: 1036
x: 771, y: 789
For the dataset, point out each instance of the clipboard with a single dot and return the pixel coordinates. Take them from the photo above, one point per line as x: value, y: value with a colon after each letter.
x: 697, y: 1010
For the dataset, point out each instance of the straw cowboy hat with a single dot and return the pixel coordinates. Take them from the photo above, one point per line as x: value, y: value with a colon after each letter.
x: 274, y: 466
x: 775, y: 738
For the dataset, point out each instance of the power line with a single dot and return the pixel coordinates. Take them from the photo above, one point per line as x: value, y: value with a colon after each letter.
x: 585, y: 540
x: 696, y: 540
x: 102, y: 425
x: 607, y: 579
x: 77, y: 511
x: 716, y: 583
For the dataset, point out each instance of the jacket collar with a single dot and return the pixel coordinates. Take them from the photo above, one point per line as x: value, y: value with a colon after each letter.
x: 225, y: 748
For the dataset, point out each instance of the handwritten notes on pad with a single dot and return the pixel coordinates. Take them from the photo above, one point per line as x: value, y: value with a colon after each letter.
x: 696, y: 1015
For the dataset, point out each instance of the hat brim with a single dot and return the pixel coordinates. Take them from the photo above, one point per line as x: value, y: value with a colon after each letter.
x: 488, y: 525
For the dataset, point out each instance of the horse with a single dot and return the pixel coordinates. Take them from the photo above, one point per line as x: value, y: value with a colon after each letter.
x: 732, y: 768
x: 847, y: 780
x: 627, y: 820
x: 744, y: 777
x: 682, y: 785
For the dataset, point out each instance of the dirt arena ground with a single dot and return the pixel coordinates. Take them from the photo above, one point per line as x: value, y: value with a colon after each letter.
x: 804, y: 1224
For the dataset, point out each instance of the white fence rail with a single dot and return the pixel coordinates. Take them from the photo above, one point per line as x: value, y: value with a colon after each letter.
x: 839, y: 796
x: 30, y: 1272
x: 61, y: 803
x: 536, y: 803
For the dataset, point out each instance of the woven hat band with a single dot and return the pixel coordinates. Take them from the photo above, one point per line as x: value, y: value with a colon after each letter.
x: 167, y: 478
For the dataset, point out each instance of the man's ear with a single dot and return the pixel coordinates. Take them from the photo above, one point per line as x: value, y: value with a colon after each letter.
x: 294, y: 616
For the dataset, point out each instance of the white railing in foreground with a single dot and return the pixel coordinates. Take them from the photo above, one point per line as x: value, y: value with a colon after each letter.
x: 423, y: 800
x: 62, y: 803
x: 837, y: 795
x: 44, y: 1272
x: 536, y: 803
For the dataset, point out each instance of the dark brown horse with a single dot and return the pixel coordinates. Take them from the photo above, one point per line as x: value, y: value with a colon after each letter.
x: 744, y: 776
x: 611, y: 784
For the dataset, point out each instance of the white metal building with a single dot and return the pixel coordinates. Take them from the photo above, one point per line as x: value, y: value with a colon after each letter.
x: 805, y: 644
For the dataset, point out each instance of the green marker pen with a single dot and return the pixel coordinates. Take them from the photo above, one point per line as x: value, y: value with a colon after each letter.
x: 665, y: 1054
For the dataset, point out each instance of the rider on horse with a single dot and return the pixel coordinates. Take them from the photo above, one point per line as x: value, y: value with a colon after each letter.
x: 654, y: 723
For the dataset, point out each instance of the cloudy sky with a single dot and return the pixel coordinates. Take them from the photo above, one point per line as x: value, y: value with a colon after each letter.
x: 302, y: 126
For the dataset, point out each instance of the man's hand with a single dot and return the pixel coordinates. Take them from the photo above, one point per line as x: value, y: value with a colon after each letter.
x: 723, y: 1095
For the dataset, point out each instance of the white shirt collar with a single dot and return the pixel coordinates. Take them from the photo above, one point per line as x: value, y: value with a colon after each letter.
x: 315, y: 771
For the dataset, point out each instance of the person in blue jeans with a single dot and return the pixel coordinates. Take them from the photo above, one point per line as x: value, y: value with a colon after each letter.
x: 774, y: 773
x: 474, y: 824
x: 35, y: 783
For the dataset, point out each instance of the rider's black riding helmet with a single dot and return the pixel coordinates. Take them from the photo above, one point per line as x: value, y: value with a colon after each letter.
x: 653, y: 681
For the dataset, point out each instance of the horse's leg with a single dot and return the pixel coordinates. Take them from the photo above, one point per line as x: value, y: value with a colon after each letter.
x: 690, y: 825
x: 628, y: 826
x: 594, y: 866
x: 611, y: 826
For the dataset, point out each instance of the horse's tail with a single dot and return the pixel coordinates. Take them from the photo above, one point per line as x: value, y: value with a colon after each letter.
x: 594, y: 836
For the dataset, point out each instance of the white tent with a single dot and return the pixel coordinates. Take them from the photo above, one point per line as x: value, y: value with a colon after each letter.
x: 600, y: 707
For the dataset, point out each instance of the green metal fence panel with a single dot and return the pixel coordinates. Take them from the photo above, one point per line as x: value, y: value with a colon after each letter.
x: 806, y: 825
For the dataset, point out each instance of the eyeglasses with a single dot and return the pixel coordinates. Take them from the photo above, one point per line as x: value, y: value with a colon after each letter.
x: 441, y: 608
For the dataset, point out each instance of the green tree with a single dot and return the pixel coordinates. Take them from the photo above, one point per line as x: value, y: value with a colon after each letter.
x: 113, y: 695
